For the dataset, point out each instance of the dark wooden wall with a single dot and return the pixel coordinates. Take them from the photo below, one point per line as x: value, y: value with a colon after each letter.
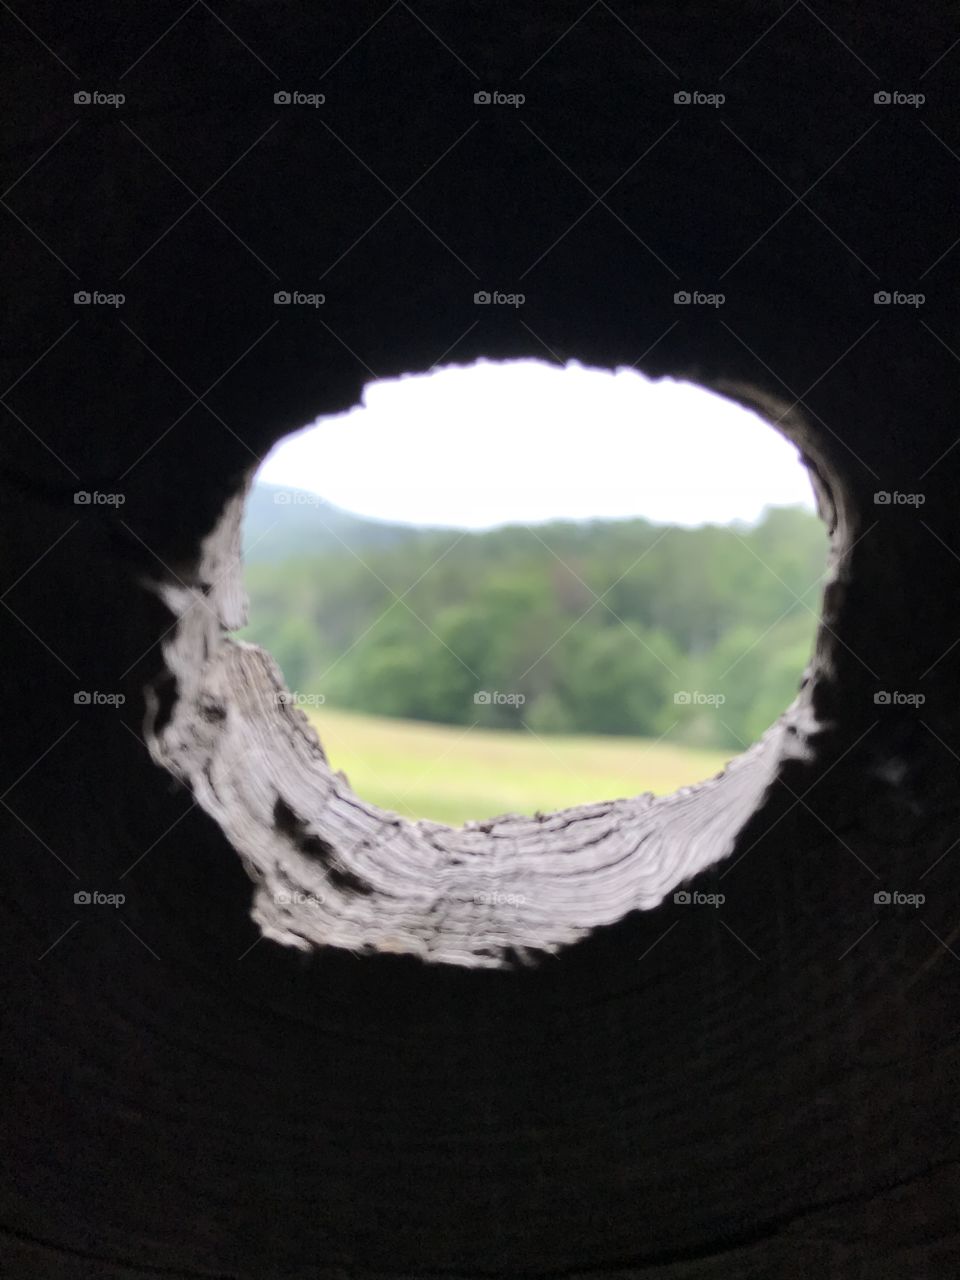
x: 180, y: 1099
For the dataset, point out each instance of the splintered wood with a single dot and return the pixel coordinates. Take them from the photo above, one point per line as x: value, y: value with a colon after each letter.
x: 330, y: 870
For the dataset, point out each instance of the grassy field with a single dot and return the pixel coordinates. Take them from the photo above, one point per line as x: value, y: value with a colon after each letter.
x: 451, y: 773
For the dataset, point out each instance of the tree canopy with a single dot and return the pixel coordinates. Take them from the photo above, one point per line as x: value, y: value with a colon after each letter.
x: 621, y: 627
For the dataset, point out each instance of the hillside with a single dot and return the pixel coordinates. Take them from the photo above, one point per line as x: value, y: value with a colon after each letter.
x: 605, y: 627
x: 282, y: 523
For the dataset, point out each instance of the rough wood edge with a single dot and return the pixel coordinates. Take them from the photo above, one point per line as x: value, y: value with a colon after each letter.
x: 329, y: 869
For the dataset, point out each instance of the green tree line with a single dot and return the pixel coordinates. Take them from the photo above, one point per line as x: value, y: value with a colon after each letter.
x: 620, y: 627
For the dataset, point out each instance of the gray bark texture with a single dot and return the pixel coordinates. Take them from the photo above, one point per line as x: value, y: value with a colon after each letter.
x: 332, y: 870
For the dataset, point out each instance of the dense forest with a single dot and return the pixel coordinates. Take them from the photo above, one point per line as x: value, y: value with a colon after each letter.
x: 620, y: 627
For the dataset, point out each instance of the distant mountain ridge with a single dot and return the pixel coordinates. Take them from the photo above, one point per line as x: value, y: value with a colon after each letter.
x: 283, y: 523
x: 620, y: 627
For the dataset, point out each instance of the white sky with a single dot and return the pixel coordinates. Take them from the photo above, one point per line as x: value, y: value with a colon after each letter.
x: 526, y: 441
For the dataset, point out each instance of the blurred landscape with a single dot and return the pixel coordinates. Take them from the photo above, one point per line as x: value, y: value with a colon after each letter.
x: 618, y: 627
x: 453, y: 773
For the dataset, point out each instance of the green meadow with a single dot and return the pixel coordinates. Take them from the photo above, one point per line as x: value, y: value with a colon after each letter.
x: 452, y: 773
